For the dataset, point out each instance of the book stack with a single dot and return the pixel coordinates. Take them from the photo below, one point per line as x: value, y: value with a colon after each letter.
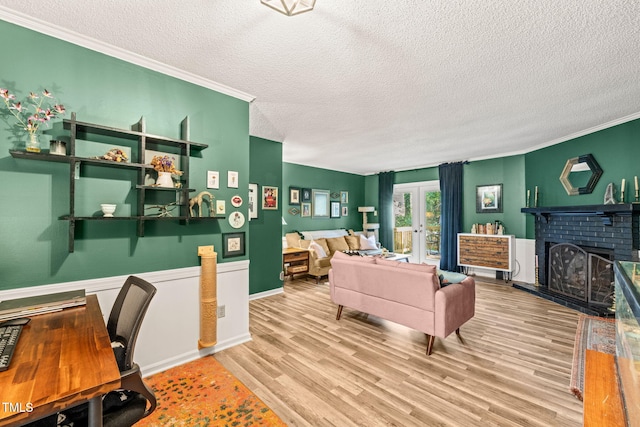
x: 39, y: 304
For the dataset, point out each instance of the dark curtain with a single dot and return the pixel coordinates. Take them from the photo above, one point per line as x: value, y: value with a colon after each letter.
x: 450, y: 213
x: 385, y: 208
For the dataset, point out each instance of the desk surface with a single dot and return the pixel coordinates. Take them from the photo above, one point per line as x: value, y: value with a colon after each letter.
x: 62, y: 358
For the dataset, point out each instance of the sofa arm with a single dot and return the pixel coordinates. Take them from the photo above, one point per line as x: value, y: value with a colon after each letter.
x: 455, y: 304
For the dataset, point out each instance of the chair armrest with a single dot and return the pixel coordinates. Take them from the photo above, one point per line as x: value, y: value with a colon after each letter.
x: 455, y: 304
x: 132, y: 380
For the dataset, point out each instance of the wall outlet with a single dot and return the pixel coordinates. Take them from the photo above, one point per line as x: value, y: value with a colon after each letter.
x: 205, y: 250
x: 282, y: 275
x: 221, y: 312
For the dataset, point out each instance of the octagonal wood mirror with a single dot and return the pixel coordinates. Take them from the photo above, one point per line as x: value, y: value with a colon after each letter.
x: 580, y: 175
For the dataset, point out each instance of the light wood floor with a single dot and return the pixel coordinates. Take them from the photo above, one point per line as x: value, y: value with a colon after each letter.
x: 513, y: 368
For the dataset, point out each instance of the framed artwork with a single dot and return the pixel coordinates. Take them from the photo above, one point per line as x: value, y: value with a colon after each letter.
x: 335, y: 209
x: 232, y: 179
x: 305, y: 197
x: 489, y: 198
x: 221, y: 207
x: 213, y: 179
x: 344, y: 197
x: 320, y: 203
x: 345, y: 211
x: 253, y: 201
x: 269, y: 198
x: 232, y: 244
x: 294, y: 196
x: 305, y: 209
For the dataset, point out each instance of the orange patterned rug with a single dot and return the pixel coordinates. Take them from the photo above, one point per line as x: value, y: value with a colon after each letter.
x: 203, y: 393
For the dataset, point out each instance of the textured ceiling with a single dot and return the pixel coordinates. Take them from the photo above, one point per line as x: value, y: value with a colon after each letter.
x: 369, y: 86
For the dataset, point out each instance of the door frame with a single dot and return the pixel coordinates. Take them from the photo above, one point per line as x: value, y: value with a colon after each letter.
x: 419, y: 190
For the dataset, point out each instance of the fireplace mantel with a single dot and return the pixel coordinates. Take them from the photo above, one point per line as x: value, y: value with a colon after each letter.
x: 603, y: 211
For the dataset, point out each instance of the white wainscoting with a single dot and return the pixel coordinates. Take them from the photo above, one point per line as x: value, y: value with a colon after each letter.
x: 171, y: 328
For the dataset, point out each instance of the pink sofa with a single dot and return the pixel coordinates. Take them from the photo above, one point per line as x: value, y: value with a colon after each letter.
x: 408, y: 294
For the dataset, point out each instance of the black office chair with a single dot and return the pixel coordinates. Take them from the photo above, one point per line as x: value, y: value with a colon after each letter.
x: 123, y: 326
x: 128, y: 405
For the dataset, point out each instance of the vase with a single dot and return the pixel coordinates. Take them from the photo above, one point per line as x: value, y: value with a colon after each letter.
x: 164, y: 180
x: 33, y: 143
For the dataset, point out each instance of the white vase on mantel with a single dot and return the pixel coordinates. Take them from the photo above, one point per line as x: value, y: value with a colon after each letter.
x: 164, y: 180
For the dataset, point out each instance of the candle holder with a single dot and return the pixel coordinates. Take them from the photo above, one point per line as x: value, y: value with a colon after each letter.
x: 622, y: 196
x: 637, y: 201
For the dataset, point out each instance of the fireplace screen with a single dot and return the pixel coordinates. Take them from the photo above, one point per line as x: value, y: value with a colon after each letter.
x: 579, y: 274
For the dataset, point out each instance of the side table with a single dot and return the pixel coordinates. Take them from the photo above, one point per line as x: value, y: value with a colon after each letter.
x: 295, y: 261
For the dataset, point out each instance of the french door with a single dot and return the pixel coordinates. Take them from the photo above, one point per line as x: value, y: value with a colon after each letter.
x: 416, y: 208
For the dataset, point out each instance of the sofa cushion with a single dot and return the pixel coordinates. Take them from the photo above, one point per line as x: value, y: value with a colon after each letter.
x: 293, y: 240
x: 427, y: 268
x: 337, y: 244
x: 304, y: 244
x: 323, y: 243
x: 353, y: 242
x: 387, y: 262
x: 363, y: 259
x: 315, y: 246
x: 368, y: 243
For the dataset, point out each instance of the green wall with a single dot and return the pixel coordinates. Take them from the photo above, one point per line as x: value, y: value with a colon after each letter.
x: 616, y: 149
x: 322, y: 179
x: 266, y: 230
x: 508, y: 171
x: 115, y: 93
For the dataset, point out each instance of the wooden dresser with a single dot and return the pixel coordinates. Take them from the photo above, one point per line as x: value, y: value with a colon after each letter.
x: 491, y: 251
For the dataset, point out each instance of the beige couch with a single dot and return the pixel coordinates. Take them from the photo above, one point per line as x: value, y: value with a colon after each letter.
x: 330, y: 241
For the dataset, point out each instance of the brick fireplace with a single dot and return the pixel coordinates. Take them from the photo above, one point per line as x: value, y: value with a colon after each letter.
x: 575, y: 248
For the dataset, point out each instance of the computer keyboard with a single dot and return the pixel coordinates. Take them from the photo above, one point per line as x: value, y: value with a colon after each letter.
x: 8, y: 340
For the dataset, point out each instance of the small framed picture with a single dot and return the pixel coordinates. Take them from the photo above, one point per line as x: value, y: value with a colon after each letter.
x: 232, y: 179
x: 320, y: 203
x: 345, y: 211
x: 489, y: 198
x: 232, y: 244
x: 305, y: 209
x: 305, y: 197
x: 294, y: 196
x: 221, y: 207
x: 213, y: 179
x: 269, y: 198
x: 344, y: 197
x: 335, y: 209
x: 253, y: 201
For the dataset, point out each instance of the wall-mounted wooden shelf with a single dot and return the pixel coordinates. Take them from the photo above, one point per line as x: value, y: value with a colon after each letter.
x: 139, y: 141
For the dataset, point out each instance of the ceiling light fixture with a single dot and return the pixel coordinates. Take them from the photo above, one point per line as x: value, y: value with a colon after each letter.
x: 290, y: 7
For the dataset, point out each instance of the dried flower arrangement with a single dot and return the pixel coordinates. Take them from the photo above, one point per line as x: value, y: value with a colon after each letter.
x: 165, y: 164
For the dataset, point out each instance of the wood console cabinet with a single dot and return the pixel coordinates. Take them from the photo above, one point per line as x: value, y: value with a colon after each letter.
x: 496, y: 252
x: 295, y: 261
x: 139, y: 142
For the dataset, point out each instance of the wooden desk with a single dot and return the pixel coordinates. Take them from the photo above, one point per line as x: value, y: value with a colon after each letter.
x: 62, y: 359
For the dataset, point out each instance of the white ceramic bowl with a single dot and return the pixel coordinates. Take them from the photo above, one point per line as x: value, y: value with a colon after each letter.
x: 108, y: 209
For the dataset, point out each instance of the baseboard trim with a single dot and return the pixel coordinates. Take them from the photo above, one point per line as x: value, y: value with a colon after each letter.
x: 266, y: 294
x: 190, y: 356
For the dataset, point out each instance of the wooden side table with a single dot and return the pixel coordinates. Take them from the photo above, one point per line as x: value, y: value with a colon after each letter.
x: 295, y: 261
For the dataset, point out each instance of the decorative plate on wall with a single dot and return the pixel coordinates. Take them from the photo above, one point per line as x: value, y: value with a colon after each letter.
x: 236, y: 219
x: 236, y: 201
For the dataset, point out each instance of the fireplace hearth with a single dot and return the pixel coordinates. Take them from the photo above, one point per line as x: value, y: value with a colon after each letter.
x: 575, y: 249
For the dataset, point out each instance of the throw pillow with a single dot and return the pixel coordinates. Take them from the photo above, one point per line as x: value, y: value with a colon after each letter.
x: 368, y: 243
x: 353, y: 242
x: 448, y: 277
x: 314, y: 246
x: 337, y: 244
x: 323, y: 242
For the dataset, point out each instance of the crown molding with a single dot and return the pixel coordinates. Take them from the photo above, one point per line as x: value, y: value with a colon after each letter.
x: 64, y: 34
